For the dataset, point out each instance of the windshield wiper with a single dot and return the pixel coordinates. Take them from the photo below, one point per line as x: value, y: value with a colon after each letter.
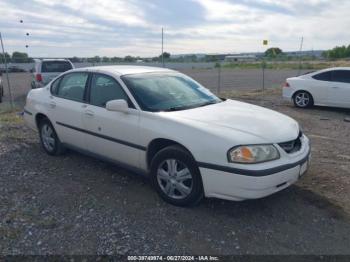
x: 208, y: 103
x: 178, y: 108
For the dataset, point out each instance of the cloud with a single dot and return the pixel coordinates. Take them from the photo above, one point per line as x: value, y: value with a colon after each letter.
x: 123, y: 27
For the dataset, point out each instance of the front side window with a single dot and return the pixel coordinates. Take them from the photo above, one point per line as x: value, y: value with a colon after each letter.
x: 105, y: 88
x: 341, y: 76
x: 72, y: 86
x: 325, y: 76
x: 168, y: 92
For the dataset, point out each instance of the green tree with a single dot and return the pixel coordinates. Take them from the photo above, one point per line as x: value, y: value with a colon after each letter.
x: 129, y: 59
x: 273, y: 52
x: 7, y: 56
x: 19, y: 57
x: 75, y: 59
x: 166, y: 55
x: 105, y: 59
x: 116, y: 59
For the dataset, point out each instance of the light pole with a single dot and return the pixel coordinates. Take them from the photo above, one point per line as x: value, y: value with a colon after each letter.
x: 163, y: 47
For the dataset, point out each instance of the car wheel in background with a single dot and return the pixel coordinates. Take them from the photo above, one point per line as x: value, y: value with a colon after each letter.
x: 49, y: 139
x: 176, y: 177
x: 303, y: 99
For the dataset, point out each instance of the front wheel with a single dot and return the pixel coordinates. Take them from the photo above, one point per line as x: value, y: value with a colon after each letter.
x: 49, y: 139
x: 303, y: 99
x: 176, y: 177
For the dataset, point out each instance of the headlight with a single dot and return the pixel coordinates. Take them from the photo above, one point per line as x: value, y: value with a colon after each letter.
x: 253, y: 154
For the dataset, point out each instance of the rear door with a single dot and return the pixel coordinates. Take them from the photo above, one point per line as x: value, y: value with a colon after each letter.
x: 51, y: 69
x: 319, y: 87
x: 66, y: 106
x: 340, y: 88
x: 114, y: 135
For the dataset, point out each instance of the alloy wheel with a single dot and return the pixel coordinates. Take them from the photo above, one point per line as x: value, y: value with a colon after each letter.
x: 302, y: 99
x: 174, y: 179
x: 48, y: 138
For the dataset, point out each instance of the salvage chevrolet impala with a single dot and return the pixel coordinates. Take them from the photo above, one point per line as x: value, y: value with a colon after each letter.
x: 167, y: 126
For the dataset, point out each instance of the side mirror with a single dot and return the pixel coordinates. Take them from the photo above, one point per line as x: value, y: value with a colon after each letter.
x: 119, y: 105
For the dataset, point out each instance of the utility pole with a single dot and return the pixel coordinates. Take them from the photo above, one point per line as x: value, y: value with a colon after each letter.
x: 300, y: 56
x: 7, y: 72
x: 163, y: 47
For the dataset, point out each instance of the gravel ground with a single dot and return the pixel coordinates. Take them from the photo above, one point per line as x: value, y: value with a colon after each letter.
x: 74, y: 204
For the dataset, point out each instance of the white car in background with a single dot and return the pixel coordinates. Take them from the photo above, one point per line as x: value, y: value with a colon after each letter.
x: 47, y: 69
x: 328, y: 87
x: 167, y: 126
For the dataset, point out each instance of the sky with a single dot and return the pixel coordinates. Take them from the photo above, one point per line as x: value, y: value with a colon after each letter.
x: 66, y: 28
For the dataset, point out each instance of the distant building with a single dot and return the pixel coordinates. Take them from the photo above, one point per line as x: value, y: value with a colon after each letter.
x: 240, y: 58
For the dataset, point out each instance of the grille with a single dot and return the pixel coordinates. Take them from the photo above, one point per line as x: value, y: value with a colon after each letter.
x: 292, y: 146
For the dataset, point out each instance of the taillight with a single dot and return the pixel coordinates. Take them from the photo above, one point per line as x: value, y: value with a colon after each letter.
x: 286, y: 84
x: 38, y: 77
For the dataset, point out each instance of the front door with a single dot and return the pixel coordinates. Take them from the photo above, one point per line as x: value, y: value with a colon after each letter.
x: 114, y: 135
x: 340, y: 88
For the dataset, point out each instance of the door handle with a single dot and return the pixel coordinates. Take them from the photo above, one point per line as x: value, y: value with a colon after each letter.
x: 335, y: 87
x: 89, y: 113
x: 52, y: 104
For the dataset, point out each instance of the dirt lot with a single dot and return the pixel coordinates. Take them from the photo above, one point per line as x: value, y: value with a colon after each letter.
x: 74, y: 204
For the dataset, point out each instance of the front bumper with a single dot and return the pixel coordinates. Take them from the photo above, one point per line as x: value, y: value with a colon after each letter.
x: 241, y: 184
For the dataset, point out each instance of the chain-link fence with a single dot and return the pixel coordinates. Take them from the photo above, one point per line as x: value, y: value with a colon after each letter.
x: 219, y: 78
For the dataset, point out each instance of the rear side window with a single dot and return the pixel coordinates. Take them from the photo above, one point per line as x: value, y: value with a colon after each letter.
x: 105, y: 88
x: 341, y: 76
x: 55, y: 66
x: 72, y: 86
x: 326, y: 76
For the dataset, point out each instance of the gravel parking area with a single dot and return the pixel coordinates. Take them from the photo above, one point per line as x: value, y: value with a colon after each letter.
x: 74, y: 204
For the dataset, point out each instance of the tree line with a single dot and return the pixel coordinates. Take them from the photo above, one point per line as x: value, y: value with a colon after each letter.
x: 337, y: 52
x: 16, y: 57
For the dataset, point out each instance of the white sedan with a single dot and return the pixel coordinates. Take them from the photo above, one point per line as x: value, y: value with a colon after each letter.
x: 328, y: 87
x: 167, y: 126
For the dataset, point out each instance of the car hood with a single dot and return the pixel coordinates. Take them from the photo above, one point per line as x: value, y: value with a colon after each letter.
x: 267, y: 125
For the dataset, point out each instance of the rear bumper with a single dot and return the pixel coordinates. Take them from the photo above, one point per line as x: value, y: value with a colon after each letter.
x: 226, y: 184
x: 287, y: 93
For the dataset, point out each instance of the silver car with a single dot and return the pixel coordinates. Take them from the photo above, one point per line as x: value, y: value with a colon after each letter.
x: 47, y: 69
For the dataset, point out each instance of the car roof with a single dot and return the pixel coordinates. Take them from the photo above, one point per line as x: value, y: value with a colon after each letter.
x: 50, y: 59
x: 124, y: 70
x: 333, y: 68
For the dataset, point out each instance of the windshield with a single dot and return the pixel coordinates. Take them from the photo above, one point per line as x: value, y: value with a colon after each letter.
x: 168, y: 92
x: 55, y: 66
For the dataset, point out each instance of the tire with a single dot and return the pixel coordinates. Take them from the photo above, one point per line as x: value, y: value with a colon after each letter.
x: 182, y: 186
x: 49, y: 139
x: 303, y: 99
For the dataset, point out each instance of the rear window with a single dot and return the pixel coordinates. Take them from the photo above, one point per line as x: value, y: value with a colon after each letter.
x: 325, y: 76
x: 55, y: 66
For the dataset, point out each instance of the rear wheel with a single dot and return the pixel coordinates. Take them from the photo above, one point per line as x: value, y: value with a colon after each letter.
x: 49, y: 139
x: 176, y: 177
x: 303, y: 99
